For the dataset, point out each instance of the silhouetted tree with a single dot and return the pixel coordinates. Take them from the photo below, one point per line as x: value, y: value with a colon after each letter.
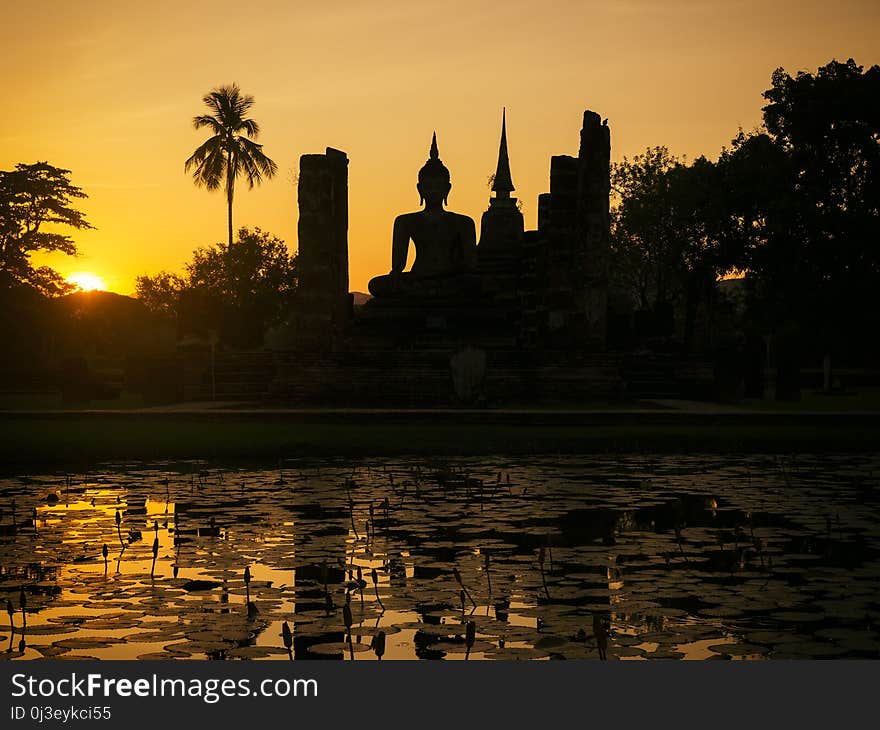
x: 231, y: 151
x: 802, y: 213
x: 761, y: 223
x: 828, y: 125
x: 161, y: 293
x: 643, y: 239
x: 237, y: 292
x: 667, y: 244
x: 703, y: 247
x: 33, y: 197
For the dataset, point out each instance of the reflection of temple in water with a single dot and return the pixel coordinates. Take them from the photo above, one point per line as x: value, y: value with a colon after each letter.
x: 518, y: 315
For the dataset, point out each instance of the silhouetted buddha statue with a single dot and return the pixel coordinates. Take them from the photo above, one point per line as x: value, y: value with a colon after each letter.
x: 445, y: 243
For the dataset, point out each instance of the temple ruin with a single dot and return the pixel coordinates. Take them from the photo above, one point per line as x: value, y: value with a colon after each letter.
x: 519, y: 316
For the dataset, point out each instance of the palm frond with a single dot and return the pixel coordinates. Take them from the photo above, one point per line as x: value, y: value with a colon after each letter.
x: 209, y: 146
x: 209, y: 163
x: 254, y: 161
x: 251, y: 128
x: 214, y: 102
x: 206, y: 120
x: 213, y: 171
x: 240, y: 103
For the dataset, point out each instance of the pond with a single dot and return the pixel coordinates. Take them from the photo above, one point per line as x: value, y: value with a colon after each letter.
x: 620, y: 557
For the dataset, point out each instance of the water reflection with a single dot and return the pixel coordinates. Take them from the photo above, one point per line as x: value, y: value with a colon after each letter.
x: 618, y: 558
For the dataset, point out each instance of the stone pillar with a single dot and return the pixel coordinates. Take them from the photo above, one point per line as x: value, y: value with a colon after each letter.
x: 323, y: 301
x: 593, y: 227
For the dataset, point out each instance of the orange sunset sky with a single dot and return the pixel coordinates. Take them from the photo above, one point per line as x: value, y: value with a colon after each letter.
x: 108, y: 90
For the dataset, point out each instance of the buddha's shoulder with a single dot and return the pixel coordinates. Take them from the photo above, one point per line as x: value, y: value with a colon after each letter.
x: 408, y: 218
x: 417, y: 217
x: 461, y: 220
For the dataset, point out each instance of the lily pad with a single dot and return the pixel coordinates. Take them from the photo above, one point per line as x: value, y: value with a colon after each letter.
x: 338, y: 647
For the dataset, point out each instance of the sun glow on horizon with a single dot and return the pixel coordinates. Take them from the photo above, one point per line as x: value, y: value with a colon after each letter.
x: 87, y: 281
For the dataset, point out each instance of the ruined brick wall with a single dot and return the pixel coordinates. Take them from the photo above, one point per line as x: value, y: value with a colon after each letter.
x: 567, y: 302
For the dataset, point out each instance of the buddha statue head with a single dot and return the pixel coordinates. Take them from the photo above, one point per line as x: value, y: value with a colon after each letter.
x: 434, y: 184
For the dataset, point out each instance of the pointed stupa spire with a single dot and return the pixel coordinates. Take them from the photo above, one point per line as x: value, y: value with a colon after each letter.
x: 434, y: 154
x: 503, y: 184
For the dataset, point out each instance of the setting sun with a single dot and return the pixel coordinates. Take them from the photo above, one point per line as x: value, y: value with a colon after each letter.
x: 86, y: 281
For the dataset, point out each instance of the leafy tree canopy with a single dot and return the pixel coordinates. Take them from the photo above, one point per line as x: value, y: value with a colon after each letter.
x: 666, y: 226
x: 796, y: 206
x: 804, y: 199
x: 33, y: 200
x: 237, y: 292
x: 161, y: 293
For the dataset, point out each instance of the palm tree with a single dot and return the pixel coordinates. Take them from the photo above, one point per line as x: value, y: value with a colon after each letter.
x: 231, y: 151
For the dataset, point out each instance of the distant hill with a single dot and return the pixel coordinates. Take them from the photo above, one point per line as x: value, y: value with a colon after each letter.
x: 360, y: 298
x: 98, y: 301
x: 84, y: 339
x: 101, y: 323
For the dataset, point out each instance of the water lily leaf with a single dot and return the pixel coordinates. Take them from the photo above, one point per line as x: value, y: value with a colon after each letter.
x: 337, y: 647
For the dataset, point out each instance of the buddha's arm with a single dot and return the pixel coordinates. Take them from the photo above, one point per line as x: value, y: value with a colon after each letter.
x: 399, y: 245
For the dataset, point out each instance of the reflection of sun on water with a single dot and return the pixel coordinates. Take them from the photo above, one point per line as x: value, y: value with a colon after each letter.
x: 86, y: 281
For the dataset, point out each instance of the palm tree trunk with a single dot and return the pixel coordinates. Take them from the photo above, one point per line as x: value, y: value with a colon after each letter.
x: 230, y: 288
x: 230, y: 221
x: 229, y: 213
